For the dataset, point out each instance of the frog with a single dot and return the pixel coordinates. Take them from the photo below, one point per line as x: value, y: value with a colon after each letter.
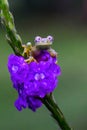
x: 44, y: 44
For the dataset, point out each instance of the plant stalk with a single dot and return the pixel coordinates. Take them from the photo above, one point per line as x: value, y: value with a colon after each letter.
x: 56, y: 113
x: 12, y: 36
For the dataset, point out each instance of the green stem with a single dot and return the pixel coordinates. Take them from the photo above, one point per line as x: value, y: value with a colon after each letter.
x: 56, y: 113
x: 12, y: 37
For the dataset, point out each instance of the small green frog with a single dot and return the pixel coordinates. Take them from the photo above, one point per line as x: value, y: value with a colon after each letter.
x: 30, y: 52
x: 44, y: 44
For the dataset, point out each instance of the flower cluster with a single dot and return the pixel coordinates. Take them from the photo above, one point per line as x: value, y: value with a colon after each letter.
x: 33, y: 80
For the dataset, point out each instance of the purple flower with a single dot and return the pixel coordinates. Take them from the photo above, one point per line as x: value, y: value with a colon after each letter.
x: 33, y: 103
x: 30, y: 102
x: 43, y: 78
x: 18, y: 69
x: 34, y: 80
x: 20, y: 102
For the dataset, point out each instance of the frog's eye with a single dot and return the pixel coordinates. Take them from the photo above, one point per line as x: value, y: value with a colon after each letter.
x: 37, y: 39
x: 49, y: 38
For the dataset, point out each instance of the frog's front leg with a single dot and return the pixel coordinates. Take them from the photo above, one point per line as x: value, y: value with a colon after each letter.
x: 30, y: 59
x: 52, y: 52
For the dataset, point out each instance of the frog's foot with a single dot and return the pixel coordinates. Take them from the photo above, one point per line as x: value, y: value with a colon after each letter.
x: 30, y: 59
x: 52, y: 52
x: 27, y: 49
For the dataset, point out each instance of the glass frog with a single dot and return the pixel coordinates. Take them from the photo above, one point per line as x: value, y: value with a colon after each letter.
x: 44, y: 44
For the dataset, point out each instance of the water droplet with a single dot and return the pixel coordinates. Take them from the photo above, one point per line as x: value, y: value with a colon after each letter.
x: 42, y: 76
x: 14, y: 68
x: 37, y: 76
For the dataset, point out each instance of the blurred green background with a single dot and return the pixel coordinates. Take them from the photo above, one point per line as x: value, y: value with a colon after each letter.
x: 66, y: 21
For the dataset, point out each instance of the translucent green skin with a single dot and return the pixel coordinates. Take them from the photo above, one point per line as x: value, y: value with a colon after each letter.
x: 43, y: 44
x: 43, y: 47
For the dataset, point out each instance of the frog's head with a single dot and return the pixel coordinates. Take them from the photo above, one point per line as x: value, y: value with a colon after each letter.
x: 43, y: 43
